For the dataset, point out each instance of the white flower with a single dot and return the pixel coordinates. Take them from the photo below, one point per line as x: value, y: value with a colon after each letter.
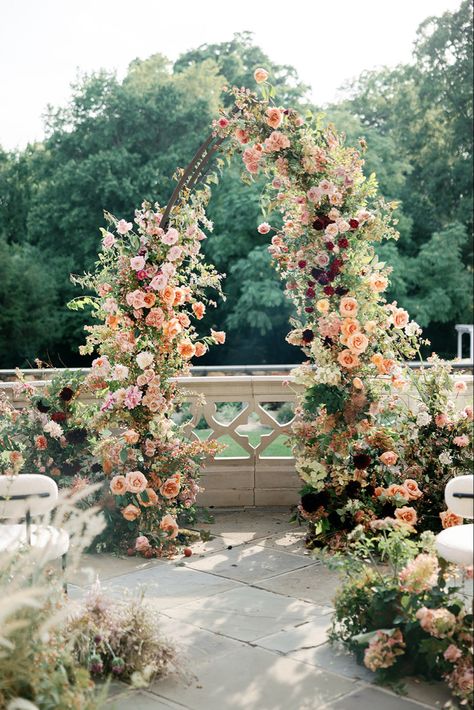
x: 53, y: 429
x: 412, y: 328
x: 120, y: 372
x: 423, y: 418
x: 144, y: 359
x: 445, y: 458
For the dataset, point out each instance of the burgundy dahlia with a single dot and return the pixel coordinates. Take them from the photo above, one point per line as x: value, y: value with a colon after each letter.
x: 343, y: 243
x: 58, y: 417
x: 310, y: 293
x: 302, y: 264
x: 354, y: 223
x: 361, y: 461
x: 66, y: 394
x: 329, y: 290
x: 318, y: 224
x: 341, y: 290
x: 329, y: 246
x: 308, y: 336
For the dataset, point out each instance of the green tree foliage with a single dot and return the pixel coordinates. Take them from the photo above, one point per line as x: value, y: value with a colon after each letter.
x: 118, y: 142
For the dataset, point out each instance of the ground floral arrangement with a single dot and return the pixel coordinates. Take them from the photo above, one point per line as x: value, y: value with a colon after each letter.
x: 401, y: 613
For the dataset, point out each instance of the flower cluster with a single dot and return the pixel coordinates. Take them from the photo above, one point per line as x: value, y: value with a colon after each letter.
x: 406, y: 617
x: 151, y: 286
x: 49, y: 434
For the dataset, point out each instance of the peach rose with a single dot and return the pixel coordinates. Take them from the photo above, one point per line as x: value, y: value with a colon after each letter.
x: 136, y: 481
x: 186, y: 349
x: 378, y: 282
x: 450, y: 519
x: 389, y: 458
x: 152, y: 498
x: 168, y: 295
x: 348, y: 359
x: 406, y: 515
x: 155, y: 318
x: 131, y: 436
x: 348, y: 307
x: 400, y: 318
x: 131, y: 512
x: 118, y: 485
x: 218, y: 336
x: 172, y: 328
x: 274, y: 117
x: 260, y: 75
x: 370, y: 326
x: 357, y: 383
x: 378, y: 491
x: 201, y: 349
x: 412, y: 487
x: 168, y: 524
x: 170, y: 488
x: 394, y: 488
x: 149, y: 300
x: 184, y: 320
x: 199, y: 309
x: 349, y: 326
x: 358, y: 343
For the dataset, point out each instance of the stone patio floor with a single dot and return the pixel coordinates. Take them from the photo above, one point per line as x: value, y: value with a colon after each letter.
x: 248, y: 613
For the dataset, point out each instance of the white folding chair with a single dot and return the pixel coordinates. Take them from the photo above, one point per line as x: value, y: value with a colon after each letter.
x: 25, y: 496
x: 455, y: 544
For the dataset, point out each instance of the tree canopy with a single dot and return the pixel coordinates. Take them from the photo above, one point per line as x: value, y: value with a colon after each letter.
x: 117, y: 143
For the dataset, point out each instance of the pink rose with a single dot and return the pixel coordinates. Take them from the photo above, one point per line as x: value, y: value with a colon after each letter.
x: 137, y: 263
x: 452, y: 653
x: 174, y: 253
x: 441, y: 420
x: 460, y: 386
x: 389, y: 458
x: 108, y: 241
x: 123, y: 227
x: 263, y: 228
x: 142, y: 543
x: 118, y: 485
x: 274, y: 117
x: 461, y: 441
x: 171, y: 236
x: 159, y: 282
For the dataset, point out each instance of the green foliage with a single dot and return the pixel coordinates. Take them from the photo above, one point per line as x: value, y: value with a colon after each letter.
x: 329, y: 396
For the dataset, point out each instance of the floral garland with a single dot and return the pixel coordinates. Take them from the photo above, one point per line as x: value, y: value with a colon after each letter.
x: 329, y: 219
x: 151, y: 286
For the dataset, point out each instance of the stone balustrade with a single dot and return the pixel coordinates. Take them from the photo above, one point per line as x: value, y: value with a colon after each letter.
x: 244, y: 412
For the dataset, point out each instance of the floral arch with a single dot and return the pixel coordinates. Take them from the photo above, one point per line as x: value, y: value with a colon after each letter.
x: 152, y: 285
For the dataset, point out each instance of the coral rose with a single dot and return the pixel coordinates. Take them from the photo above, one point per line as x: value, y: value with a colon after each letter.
x: 395, y: 489
x: 186, y: 349
x: 218, y: 336
x: 168, y: 524
x: 200, y: 349
x: 131, y: 512
x: 172, y: 328
x: 199, y: 309
x: 348, y: 359
x: 170, y: 488
x: 406, y: 515
x: 168, y: 295
x: 274, y: 117
x: 152, y: 498
x: 389, y: 458
x: 260, y: 75
x: 450, y: 519
x: 358, y: 343
x: 348, y: 307
x: 149, y: 300
x: 118, y: 485
x: 412, y: 488
x: 241, y: 135
x: 131, y: 436
x: 179, y: 296
x: 41, y: 442
x: 136, y: 481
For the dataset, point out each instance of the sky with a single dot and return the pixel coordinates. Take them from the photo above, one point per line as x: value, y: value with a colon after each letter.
x: 45, y: 44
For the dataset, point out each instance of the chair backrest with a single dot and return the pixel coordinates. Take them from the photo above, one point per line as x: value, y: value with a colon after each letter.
x: 27, y: 493
x: 459, y: 495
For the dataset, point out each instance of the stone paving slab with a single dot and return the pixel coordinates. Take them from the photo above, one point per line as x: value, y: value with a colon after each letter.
x: 169, y: 585
x: 300, y: 638
x: 250, y: 563
x: 246, y: 613
x: 315, y: 583
x: 256, y: 679
x: 369, y: 698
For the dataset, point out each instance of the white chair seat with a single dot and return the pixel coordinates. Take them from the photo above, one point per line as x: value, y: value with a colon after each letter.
x: 50, y: 542
x: 456, y: 544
